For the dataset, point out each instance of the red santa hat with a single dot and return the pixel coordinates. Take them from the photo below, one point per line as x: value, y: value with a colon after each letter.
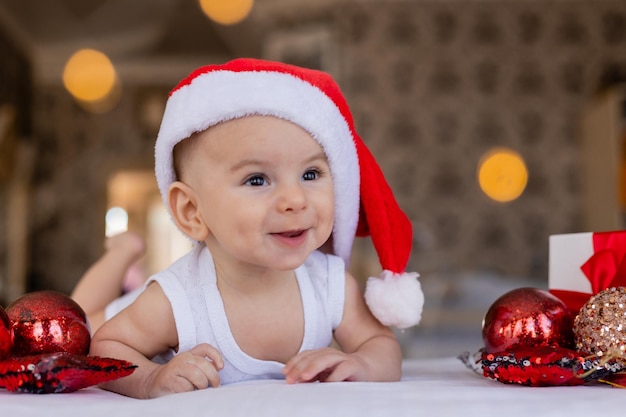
x: 364, y: 202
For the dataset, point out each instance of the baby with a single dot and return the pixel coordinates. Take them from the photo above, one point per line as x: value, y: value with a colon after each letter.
x: 258, y: 163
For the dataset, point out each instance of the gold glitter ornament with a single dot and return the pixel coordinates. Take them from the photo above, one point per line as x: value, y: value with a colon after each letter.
x: 600, y: 326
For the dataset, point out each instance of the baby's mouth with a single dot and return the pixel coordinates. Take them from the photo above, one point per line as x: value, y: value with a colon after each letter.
x: 292, y: 238
x: 291, y: 233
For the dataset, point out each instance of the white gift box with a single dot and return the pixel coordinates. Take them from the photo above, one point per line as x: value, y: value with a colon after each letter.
x: 567, y: 253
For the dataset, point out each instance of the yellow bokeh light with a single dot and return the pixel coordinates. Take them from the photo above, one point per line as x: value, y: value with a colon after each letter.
x: 226, y: 12
x: 502, y: 174
x: 105, y: 104
x: 89, y: 75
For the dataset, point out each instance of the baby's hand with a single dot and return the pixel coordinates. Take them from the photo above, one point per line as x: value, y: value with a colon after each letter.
x: 326, y: 365
x: 192, y: 370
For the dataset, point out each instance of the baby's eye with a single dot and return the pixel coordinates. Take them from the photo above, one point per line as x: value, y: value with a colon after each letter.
x: 311, y: 175
x: 256, y: 181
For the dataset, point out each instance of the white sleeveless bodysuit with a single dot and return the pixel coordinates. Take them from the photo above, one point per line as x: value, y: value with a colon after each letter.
x: 191, y: 287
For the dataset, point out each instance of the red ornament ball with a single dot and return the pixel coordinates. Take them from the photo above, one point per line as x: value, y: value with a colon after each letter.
x: 527, y: 317
x: 48, y: 322
x: 6, y: 338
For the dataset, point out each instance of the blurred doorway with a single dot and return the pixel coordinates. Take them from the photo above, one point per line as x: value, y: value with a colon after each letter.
x: 134, y: 204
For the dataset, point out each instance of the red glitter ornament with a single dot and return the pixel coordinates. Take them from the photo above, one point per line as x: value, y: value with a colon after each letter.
x: 59, y: 372
x: 525, y: 318
x: 546, y: 366
x: 48, y: 322
x: 6, y: 339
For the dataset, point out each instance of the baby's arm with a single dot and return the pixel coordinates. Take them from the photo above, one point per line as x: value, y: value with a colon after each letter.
x: 143, y: 330
x: 370, y: 351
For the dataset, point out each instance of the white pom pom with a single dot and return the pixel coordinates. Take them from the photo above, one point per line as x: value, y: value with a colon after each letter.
x: 395, y: 299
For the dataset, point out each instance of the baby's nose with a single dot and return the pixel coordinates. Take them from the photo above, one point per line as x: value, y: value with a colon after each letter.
x: 292, y: 198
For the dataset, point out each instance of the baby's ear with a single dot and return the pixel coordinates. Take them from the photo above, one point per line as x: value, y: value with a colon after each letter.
x: 184, y: 208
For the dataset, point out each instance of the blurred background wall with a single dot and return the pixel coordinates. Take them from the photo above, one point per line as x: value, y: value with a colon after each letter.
x: 434, y: 87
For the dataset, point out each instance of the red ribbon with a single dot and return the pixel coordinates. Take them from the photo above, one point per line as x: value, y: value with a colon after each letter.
x: 606, y: 268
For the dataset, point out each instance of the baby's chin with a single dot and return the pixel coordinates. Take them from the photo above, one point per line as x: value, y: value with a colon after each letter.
x: 284, y: 265
x: 287, y: 262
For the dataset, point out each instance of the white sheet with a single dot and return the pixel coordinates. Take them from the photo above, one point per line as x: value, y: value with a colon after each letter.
x: 430, y: 387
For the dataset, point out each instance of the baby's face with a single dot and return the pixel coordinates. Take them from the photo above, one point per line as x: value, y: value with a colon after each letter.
x: 264, y: 190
